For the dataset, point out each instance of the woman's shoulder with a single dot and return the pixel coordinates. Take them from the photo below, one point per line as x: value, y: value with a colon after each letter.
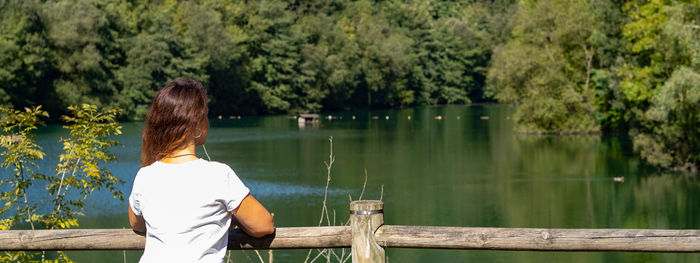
x: 158, y: 166
x: 215, y: 165
x: 147, y: 169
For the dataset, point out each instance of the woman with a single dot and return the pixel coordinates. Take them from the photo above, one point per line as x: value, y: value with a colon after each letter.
x: 183, y: 203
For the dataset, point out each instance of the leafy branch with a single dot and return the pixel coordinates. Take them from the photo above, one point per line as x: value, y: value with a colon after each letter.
x: 81, y: 169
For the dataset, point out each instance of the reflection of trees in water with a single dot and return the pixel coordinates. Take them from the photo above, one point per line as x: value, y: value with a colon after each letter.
x: 665, y: 201
x: 548, y: 181
x: 554, y: 181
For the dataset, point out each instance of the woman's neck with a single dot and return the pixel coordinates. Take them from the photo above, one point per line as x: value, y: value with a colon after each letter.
x: 180, y: 156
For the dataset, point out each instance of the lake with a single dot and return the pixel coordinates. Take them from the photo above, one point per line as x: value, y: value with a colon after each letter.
x: 466, y: 169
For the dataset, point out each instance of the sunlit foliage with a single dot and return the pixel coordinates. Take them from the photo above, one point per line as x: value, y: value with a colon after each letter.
x: 80, y: 171
x: 583, y: 66
x: 662, y: 83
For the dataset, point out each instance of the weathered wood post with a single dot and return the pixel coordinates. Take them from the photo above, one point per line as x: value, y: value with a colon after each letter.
x: 365, y: 217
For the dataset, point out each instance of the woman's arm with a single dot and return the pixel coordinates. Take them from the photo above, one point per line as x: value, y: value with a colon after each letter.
x: 253, y: 218
x: 137, y: 222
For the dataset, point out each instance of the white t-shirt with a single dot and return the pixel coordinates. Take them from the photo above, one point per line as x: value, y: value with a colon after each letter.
x: 187, y: 209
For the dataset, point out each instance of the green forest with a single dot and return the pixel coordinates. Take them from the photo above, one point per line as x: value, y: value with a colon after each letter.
x: 576, y: 66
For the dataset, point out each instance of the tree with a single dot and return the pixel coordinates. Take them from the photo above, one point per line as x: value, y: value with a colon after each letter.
x: 672, y: 134
x: 159, y: 52
x: 669, y: 132
x: 274, y: 54
x: 84, y: 50
x: 546, y: 68
x: 80, y: 169
x: 24, y: 50
x: 19, y: 153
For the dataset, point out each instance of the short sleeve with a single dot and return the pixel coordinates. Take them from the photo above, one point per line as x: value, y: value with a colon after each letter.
x: 135, y: 197
x: 234, y: 191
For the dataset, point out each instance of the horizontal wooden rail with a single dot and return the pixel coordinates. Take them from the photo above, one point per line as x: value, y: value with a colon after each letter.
x: 126, y: 239
x: 534, y: 239
x: 388, y: 236
x: 71, y: 239
x: 294, y: 237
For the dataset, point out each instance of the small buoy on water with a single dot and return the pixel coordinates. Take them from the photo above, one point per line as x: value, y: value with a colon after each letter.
x: 438, y: 117
x: 386, y: 117
x: 620, y: 179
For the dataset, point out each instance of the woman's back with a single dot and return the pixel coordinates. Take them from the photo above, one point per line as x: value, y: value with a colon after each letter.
x: 187, y: 209
x: 183, y: 203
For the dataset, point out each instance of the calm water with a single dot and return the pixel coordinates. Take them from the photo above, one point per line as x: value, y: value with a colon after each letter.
x: 463, y: 170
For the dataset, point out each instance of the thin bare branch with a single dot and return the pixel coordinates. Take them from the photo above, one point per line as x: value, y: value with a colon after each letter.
x: 259, y: 256
x: 324, y: 208
x: 317, y: 256
x: 381, y: 195
x: 363, y: 186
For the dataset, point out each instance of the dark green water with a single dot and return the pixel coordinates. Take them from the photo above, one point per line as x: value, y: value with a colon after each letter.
x: 458, y: 171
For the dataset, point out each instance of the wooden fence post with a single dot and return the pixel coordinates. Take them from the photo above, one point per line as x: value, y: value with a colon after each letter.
x: 366, y: 216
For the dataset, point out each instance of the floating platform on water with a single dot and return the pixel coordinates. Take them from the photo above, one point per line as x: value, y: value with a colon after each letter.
x: 308, y: 119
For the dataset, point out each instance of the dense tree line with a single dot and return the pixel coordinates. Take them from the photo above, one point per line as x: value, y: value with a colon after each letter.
x: 569, y: 66
x: 255, y: 56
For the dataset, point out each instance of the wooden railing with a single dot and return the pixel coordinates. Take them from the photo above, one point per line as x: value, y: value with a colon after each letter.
x: 368, y: 236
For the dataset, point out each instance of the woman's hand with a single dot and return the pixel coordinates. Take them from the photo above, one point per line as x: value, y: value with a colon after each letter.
x: 253, y: 218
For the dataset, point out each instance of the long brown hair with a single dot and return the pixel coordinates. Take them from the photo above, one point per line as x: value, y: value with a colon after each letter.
x: 177, y: 110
